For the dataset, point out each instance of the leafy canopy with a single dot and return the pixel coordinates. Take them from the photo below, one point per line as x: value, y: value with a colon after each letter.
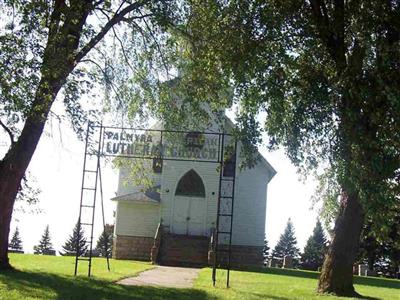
x: 324, y: 80
x: 110, y: 71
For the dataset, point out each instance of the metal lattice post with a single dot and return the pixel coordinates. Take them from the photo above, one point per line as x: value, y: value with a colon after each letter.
x: 217, y: 249
x: 232, y: 207
x: 83, y: 203
x: 94, y: 201
x: 104, y: 221
x: 221, y: 162
x: 81, y: 200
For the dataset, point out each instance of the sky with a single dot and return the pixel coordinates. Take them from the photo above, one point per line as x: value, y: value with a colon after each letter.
x: 57, y: 168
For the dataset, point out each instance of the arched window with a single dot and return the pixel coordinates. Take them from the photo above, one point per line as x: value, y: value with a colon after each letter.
x: 190, y: 185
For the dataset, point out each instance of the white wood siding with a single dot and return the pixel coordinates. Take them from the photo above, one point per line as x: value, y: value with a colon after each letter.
x: 250, y: 207
x: 135, y: 219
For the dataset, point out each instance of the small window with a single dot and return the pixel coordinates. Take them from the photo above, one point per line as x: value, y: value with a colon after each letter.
x: 157, y: 165
x: 190, y: 185
x: 229, y: 166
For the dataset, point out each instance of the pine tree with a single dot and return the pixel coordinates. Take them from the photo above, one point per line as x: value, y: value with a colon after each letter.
x: 287, y: 243
x: 105, y: 241
x: 16, y: 242
x: 265, y: 250
x: 314, y: 251
x: 45, y: 246
x: 69, y: 248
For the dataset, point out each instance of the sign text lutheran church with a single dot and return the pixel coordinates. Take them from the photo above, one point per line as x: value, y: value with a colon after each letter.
x: 163, y: 144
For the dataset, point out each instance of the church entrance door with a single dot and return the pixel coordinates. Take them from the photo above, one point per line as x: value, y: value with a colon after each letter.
x: 189, y: 215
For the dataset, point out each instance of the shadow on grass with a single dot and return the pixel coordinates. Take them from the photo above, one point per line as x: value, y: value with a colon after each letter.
x: 255, y: 295
x: 378, y: 282
x: 368, y: 281
x: 284, y: 272
x: 45, y: 286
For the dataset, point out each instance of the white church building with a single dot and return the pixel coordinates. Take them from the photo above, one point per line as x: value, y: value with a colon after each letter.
x: 173, y: 222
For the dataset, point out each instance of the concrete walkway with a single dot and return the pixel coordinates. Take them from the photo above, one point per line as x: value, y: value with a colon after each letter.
x: 175, y: 277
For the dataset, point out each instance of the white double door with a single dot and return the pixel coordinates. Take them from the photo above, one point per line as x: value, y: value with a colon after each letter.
x: 189, y: 215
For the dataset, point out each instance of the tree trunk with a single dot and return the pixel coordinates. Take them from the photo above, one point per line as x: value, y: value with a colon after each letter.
x: 371, y: 262
x: 17, y: 159
x: 337, y: 271
x: 12, y: 170
x: 8, y: 185
x: 59, y: 59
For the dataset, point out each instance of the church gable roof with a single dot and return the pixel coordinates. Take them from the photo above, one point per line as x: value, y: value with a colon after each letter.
x: 151, y: 196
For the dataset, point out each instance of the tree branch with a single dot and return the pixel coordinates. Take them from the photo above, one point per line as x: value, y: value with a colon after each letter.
x: 118, y: 17
x: 8, y: 130
x: 55, y: 17
x: 128, y: 20
x: 105, y: 75
x: 123, y: 51
x: 158, y: 47
x: 331, y: 32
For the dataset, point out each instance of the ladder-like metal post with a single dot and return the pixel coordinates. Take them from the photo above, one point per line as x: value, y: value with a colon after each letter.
x: 217, y: 248
x: 94, y: 201
x: 221, y: 161
x: 77, y: 248
x: 231, y: 216
x: 83, y: 202
x: 104, y: 221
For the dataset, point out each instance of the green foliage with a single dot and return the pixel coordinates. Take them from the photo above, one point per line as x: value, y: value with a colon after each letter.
x: 105, y: 242
x: 123, y: 76
x: 327, y: 192
x: 76, y: 239
x: 16, y: 242
x: 138, y: 171
x: 324, y: 75
x: 28, y: 194
x: 21, y: 49
x: 287, y: 243
x: 45, y: 246
x: 315, y: 249
x: 381, y: 253
x: 325, y: 84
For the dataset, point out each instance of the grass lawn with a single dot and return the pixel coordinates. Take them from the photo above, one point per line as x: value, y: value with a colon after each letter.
x: 289, y: 284
x: 49, y: 277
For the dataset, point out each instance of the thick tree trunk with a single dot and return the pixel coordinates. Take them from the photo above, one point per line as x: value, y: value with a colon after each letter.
x: 371, y: 262
x: 7, y: 197
x: 17, y: 159
x: 59, y: 59
x: 337, y: 271
x: 12, y: 170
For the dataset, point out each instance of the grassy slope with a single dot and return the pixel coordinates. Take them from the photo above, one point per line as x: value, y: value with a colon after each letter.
x: 47, y: 277
x: 65, y: 266
x: 288, y: 284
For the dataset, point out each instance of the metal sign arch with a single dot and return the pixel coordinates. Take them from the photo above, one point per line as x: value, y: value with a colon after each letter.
x: 175, y: 145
